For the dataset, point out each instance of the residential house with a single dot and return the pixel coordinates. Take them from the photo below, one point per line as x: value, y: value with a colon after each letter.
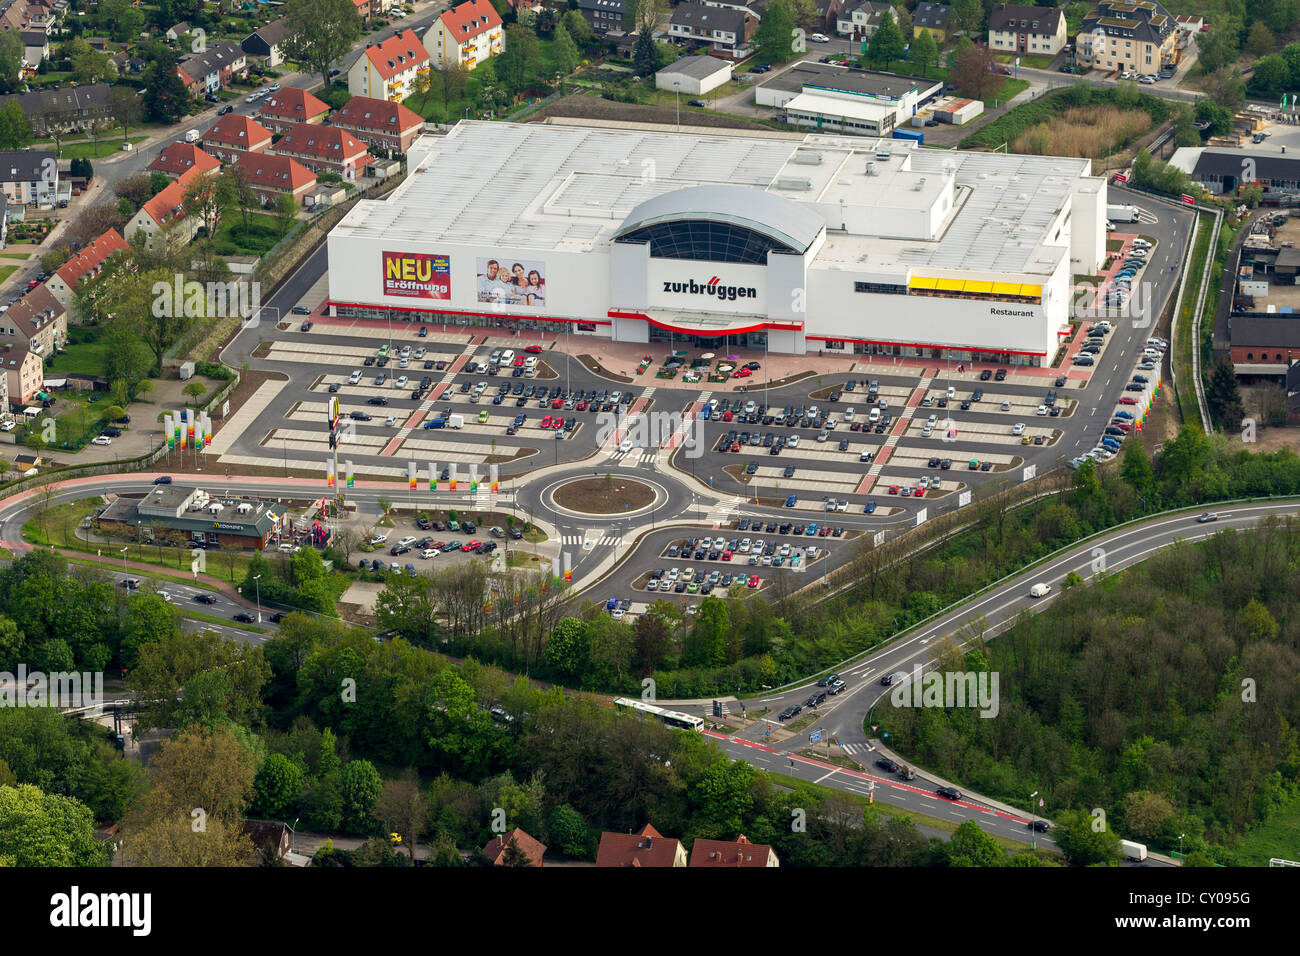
x: 176, y: 31
x: 1139, y: 37
x: 271, y: 838
x: 29, y: 176
x: 732, y: 853
x: 24, y: 373
x: 1189, y: 28
x: 65, y: 109
x: 324, y: 149
x: 86, y: 264
x: 388, y: 69
x: 162, y: 219
x: 232, y: 135
x: 211, y: 70
x: 270, y: 175
x: 532, y: 849
x: 858, y: 19
x: 381, y: 123
x: 23, y: 16
x: 128, y: 63
x: 37, y: 322
x: 4, y: 396
x: 931, y: 18
x: 829, y: 12
x: 468, y: 34
x: 604, y: 16
x: 280, y: 111
x: 365, y: 9
x: 266, y: 42
x: 179, y: 158
x: 646, y: 847
x: 1032, y: 30
x: 36, y: 47
x: 727, y: 30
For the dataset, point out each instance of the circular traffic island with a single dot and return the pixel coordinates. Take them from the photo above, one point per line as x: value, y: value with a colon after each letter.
x: 605, y: 495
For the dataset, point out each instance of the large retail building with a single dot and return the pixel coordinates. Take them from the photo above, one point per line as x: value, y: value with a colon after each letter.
x: 789, y: 243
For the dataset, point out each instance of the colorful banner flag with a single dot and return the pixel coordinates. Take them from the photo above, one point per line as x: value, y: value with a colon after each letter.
x: 329, y: 473
x: 410, y: 475
x: 350, y: 473
x: 451, y: 475
x: 473, y: 478
x: 568, y: 569
x: 492, y: 477
x: 168, y: 430
x: 433, y: 476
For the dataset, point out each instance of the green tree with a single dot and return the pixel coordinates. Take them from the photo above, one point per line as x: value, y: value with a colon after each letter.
x: 520, y: 63
x: 1146, y: 814
x: 564, y: 52
x: 972, y: 72
x: 706, y: 646
x: 1260, y: 41
x: 276, y: 785
x: 1224, y: 397
x: 644, y: 58
x: 924, y: 54
x: 12, y: 53
x: 567, y: 650
x: 805, y: 15
x: 361, y: 785
x: 774, y: 38
x: 1081, y: 843
x: 966, y: 16
x: 971, y: 846
x: 318, y: 32
x: 165, y: 97
x: 569, y: 833
x: 149, y: 619
x: 576, y: 25
x: 286, y: 211
x: 42, y: 829
x: 886, y: 44
x: 15, y: 131
x: 1272, y: 76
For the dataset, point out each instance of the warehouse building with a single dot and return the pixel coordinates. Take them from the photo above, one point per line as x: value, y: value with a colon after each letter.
x: 786, y: 243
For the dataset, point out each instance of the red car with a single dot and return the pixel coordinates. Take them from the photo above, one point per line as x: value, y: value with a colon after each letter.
x: 741, y: 373
x: 519, y: 361
x: 470, y: 545
x: 582, y: 405
x: 893, y: 489
x: 1122, y: 426
x: 546, y: 422
x: 557, y: 424
x: 1126, y: 400
x: 735, y: 446
x: 726, y: 416
x: 726, y: 555
x: 918, y: 492
x: 534, y: 350
x: 753, y: 581
x: 558, y: 403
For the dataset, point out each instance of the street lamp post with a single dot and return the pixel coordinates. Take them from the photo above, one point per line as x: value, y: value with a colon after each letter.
x: 677, y: 94
x: 124, y: 559
x: 258, y: 590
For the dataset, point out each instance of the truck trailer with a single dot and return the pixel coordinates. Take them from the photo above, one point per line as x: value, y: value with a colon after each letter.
x: 1122, y: 213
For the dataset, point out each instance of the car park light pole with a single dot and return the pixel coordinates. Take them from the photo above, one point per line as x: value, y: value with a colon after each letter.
x: 257, y: 587
x: 124, y: 550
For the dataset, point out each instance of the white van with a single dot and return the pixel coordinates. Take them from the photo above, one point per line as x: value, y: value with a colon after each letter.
x: 874, y: 416
x: 1039, y: 590
x: 192, y: 136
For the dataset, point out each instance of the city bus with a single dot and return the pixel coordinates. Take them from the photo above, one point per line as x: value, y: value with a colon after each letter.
x: 670, y: 717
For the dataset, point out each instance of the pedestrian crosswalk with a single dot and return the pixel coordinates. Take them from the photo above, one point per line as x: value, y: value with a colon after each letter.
x: 854, y: 748
x: 721, y: 512
x: 578, y: 541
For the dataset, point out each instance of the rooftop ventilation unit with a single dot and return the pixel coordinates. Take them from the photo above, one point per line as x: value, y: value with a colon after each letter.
x: 807, y: 157
x: 794, y: 183
x: 871, y: 169
x: 918, y: 185
x: 884, y: 151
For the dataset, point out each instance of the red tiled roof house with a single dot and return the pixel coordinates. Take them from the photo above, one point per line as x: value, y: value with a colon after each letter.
x: 270, y: 175
x: 281, y: 111
x: 647, y: 847
x: 324, y: 149
x: 380, y: 123
x: 233, y: 135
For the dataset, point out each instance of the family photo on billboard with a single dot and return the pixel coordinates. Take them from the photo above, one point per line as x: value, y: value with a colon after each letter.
x: 512, y: 281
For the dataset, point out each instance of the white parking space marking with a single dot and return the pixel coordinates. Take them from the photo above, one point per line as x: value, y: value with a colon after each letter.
x: 233, y: 428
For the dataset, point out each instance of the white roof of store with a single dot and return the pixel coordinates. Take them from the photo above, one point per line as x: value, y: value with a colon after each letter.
x: 550, y: 188
x: 841, y: 107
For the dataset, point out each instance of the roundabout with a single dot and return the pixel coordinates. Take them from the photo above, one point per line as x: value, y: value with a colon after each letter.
x: 603, y: 496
